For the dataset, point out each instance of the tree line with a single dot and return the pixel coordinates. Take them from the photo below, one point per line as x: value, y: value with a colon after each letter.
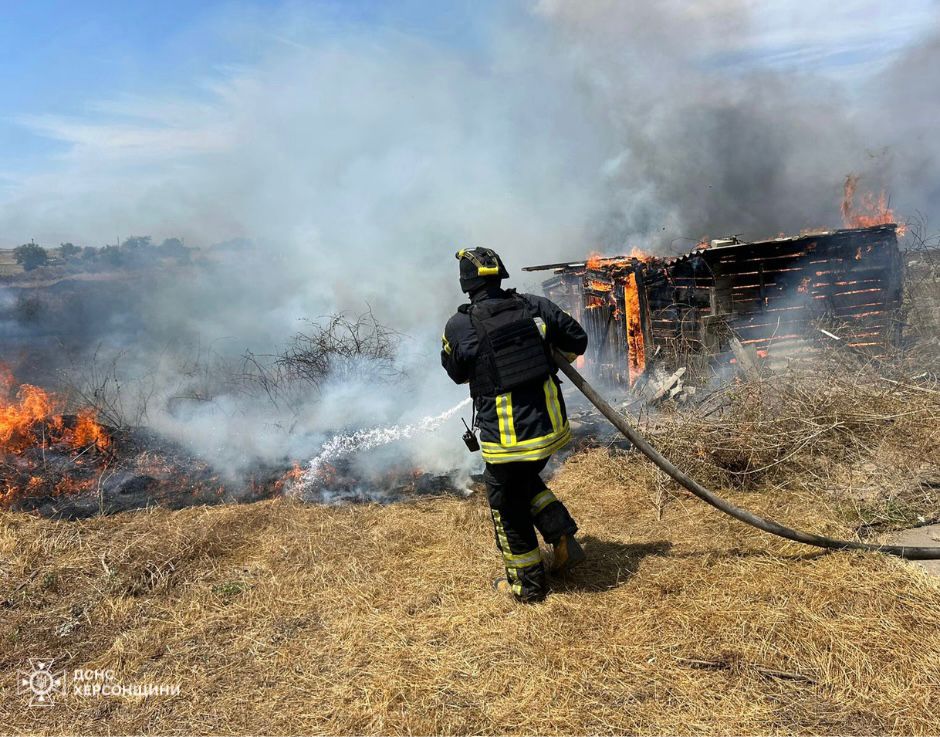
x: 133, y: 251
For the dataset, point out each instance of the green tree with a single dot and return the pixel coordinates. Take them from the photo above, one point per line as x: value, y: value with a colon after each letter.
x: 174, y: 248
x: 136, y: 242
x: 68, y: 250
x: 30, y: 256
x: 113, y: 255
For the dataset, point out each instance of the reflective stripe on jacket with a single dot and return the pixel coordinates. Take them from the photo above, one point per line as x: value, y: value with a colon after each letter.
x: 530, y: 422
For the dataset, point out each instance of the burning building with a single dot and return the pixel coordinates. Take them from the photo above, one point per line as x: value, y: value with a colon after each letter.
x: 774, y: 295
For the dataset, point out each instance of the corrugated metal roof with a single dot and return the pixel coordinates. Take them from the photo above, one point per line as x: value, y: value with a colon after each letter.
x: 731, y: 247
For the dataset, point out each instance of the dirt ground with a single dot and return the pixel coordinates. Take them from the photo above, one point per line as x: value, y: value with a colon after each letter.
x: 280, y: 618
x: 926, y: 536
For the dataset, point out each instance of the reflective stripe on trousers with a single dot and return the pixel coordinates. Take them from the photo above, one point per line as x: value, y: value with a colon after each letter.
x: 515, y: 562
x: 521, y: 504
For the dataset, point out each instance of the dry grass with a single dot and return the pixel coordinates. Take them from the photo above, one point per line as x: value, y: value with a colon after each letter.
x: 281, y: 618
x: 8, y: 265
x: 834, y: 427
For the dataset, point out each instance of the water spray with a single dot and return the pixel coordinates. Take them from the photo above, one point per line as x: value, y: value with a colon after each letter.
x: 347, y: 443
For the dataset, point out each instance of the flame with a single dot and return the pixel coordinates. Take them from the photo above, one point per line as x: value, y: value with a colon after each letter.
x: 32, y: 409
x: 621, y: 268
x: 30, y: 417
x: 635, y: 344
x: 291, y: 477
x: 88, y: 432
x: 19, y: 416
x: 596, y: 262
x: 871, y: 210
x: 804, y: 285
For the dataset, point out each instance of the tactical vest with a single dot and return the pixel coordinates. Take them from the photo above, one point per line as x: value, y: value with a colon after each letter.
x: 511, y: 351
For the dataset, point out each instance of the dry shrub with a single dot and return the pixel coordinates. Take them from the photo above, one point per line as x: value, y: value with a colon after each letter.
x: 806, y: 426
x: 921, y: 309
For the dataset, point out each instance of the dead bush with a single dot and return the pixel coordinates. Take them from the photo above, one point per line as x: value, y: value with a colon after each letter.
x: 798, y: 424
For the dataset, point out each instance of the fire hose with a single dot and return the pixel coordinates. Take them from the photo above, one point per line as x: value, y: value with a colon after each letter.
x: 709, y: 497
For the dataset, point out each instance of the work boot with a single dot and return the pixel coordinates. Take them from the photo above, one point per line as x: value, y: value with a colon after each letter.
x: 568, y: 554
x: 503, y: 586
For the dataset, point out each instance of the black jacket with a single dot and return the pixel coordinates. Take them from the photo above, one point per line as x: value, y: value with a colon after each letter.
x: 530, y: 422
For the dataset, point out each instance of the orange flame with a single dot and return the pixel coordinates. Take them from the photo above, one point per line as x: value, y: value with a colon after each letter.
x: 30, y: 418
x: 635, y: 344
x: 87, y: 431
x: 289, y: 478
x: 28, y: 415
x: 18, y: 417
x: 595, y: 261
x: 870, y: 211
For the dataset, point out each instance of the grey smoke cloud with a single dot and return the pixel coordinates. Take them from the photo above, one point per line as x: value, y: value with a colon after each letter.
x: 361, y: 162
x: 756, y: 147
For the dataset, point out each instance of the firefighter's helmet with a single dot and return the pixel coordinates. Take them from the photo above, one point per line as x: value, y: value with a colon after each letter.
x: 479, y: 266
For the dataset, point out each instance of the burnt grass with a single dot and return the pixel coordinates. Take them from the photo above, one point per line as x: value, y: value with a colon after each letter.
x: 138, y: 469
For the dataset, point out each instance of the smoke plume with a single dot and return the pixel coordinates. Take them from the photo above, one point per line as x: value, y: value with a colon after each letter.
x: 356, y: 161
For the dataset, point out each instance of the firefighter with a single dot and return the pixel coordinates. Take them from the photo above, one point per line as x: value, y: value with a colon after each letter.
x: 500, y: 343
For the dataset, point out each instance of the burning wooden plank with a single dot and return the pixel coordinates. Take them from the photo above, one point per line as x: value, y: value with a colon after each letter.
x: 640, y: 310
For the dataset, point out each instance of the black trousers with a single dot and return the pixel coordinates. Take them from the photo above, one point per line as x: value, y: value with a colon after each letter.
x: 521, y: 503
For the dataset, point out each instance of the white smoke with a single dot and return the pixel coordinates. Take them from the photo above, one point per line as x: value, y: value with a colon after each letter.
x: 359, y: 159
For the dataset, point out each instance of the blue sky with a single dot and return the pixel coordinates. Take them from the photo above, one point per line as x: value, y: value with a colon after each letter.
x: 57, y: 57
x: 100, y: 94
x: 64, y: 58
x: 60, y: 57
